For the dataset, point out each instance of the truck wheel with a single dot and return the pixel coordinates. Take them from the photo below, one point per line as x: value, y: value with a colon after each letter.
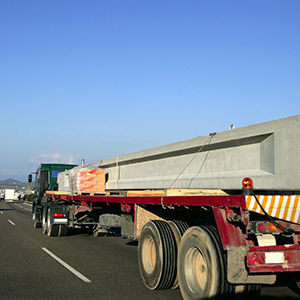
x: 52, y: 229
x: 95, y: 230
x: 178, y: 228
x: 157, y: 255
x: 44, y: 220
x: 62, y: 230
x: 199, y: 265
x: 36, y: 223
x: 227, y: 289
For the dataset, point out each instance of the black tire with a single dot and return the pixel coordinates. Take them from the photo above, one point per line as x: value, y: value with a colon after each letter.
x: 227, y: 290
x: 36, y: 223
x: 62, y: 230
x: 157, y: 255
x: 199, y: 265
x: 52, y: 229
x: 44, y: 220
x: 178, y: 228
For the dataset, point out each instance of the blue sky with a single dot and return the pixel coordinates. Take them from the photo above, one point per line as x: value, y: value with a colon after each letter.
x: 95, y: 79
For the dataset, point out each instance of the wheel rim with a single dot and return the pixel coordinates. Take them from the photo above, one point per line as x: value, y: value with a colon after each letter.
x: 48, y: 223
x: 149, y: 255
x: 44, y: 221
x: 196, y: 271
x: 33, y: 215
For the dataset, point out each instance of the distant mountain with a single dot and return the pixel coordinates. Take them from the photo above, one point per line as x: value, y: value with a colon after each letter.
x: 11, y: 181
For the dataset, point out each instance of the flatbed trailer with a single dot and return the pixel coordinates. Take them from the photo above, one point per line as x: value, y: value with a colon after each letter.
x: 208, y: 245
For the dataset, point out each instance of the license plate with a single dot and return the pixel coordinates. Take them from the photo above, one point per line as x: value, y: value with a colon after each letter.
x: 274, y: 258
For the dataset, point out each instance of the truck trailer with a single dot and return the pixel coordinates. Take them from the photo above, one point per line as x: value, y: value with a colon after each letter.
x: 216, y: 216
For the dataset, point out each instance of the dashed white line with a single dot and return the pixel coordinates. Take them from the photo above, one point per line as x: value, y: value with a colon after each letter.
x: 1, y: 212
x: 22, y: 207
x: 11, y: 222
x: 71, y: 269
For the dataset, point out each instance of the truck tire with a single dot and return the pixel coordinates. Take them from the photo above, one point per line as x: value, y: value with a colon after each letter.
x: 36, y: 223
x: 62, y: 230
x: 199, y: 265
x: 157, y: 255
x: 52, y: 229
x: 178, y: 228
x: 44, y: 219
x: 227, y: 290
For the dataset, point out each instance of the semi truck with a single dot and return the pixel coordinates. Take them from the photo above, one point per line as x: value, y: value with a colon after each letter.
x: 216, y: 216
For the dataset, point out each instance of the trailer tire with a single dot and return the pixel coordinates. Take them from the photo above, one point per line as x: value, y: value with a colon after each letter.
x: 178, y: 228
x: 52, y: 229
x: 62, y: 230
x: 44, y: 220
x: 157, y: 255
x: 199, y: 265
x: 227, y: 289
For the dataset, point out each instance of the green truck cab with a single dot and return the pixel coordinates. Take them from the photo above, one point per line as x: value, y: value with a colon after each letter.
x: 45, y: 180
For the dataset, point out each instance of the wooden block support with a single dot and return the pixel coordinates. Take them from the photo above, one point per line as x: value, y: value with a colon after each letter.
x: 145, y: 193
x: 194, y: 192
x: 142, y: 216
x: 178, y: 192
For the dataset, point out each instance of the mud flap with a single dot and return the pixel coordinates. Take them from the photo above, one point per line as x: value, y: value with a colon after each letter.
x: 236, y: 268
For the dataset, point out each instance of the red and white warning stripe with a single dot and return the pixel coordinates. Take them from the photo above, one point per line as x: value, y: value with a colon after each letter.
x: 282, y: 207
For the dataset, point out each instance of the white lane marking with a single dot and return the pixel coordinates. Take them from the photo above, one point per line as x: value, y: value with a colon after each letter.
x: 22, y: 207
x: 1, y: 212
x: 71, y: 269
x: 11, y: 222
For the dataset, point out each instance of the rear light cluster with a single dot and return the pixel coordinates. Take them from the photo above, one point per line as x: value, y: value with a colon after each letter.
x: 268, y: 227
x: 59, y: 215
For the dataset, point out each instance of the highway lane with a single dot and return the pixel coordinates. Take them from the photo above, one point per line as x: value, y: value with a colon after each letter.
x: 34, y: 266
x: 28, y: 272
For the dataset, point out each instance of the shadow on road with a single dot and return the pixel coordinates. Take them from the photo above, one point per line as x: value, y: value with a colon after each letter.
x: 132, y: 243
x: 278, y: 297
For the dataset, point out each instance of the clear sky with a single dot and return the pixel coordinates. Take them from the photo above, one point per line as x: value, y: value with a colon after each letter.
x: 95, y: 79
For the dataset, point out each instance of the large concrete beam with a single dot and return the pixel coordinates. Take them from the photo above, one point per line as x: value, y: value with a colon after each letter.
x: 267, y: 152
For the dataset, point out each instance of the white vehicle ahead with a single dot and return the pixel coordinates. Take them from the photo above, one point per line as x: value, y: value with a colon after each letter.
x: 9, y: 195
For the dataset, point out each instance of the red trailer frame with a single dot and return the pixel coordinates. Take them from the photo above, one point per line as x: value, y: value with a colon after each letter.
x: 254, y: 259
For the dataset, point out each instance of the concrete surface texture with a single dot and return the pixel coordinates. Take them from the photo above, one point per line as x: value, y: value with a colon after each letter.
x: 267, y: 152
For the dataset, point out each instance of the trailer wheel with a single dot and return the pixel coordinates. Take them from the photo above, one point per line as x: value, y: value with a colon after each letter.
x: 199, y: 265
x: 52, y: 229
x: 157, y: 255
x: 178, y: 228
x: 62, y: 230
x: 44, y: 220
x: 227, y: 289
x: 36, y: 223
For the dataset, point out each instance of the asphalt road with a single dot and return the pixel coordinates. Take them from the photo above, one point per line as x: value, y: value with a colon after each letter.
x: 78, y: 266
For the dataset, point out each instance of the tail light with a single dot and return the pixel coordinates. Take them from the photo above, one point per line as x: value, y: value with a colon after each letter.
x: 59, y: 215
x: 267, y: 227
